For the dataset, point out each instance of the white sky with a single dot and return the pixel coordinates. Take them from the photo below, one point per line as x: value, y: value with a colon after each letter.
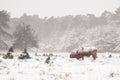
x: 58, y: 7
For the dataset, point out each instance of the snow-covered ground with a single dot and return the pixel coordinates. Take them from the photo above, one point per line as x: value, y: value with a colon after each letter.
x: 61, y: 67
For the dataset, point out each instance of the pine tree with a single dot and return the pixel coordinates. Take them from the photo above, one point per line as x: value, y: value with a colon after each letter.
x: 24, y: 37
x: 4, y: 19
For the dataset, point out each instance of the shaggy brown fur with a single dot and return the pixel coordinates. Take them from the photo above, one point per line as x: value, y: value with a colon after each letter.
x: 82, y: 54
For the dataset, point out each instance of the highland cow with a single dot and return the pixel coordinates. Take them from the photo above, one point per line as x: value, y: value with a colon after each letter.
x: 81, y: 53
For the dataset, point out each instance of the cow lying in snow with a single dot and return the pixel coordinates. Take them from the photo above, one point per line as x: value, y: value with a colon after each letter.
x: 81, y: 52
x: 9, y: 54
x: 25, y: 55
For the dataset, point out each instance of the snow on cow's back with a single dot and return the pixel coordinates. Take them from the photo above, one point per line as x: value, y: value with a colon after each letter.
x: 85, y: 49
x: 77, y: 49
x: 89, y: 48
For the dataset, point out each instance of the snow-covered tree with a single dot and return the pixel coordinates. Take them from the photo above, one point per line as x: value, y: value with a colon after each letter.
x: 4, y: 19
x: 24, y: 37
x: 71, y: 39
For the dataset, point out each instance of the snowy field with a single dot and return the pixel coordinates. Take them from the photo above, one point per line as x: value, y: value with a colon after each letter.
x: 61, y: 67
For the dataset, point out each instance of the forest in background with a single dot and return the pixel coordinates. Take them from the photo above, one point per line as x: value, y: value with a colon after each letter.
x: 69, y: 32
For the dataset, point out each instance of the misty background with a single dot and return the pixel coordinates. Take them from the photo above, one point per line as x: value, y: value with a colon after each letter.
x: 60, y: 33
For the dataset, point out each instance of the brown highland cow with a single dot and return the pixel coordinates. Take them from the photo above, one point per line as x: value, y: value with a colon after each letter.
x: 82, y: 53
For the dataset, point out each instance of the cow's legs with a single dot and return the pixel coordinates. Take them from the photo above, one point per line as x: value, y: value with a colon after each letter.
x: 82, y: 57
x: 94, y: 56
